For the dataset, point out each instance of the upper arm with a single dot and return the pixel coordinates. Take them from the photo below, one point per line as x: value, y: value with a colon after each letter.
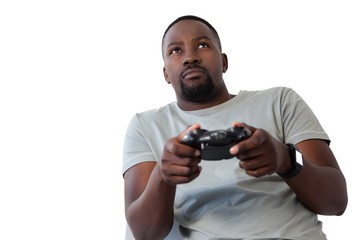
x: 318, y: 152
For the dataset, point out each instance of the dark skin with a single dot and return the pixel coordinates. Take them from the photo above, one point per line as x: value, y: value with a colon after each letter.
x: 150, y: 187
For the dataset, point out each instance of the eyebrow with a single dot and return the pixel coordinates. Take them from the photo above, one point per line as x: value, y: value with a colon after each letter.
x: 193, y: 40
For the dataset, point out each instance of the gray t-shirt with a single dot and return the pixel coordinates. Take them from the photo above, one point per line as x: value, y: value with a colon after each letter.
x: 224, y: 202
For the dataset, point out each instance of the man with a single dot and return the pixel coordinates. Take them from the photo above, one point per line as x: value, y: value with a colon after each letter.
x: 260, y: 193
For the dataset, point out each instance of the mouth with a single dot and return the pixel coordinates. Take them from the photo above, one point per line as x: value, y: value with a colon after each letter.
x: 193, y: 73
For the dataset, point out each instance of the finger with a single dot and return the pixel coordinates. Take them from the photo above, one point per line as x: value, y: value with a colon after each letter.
x: 258, y: 172
x: 187, y: 161
x: 256, y: 168
x: 242, y: 150
x: 185, y: 170
x: 184, y: 178
x: 252, y: 164
x: 187, y: 130
x: 174, y: 149
x: 248, y: 148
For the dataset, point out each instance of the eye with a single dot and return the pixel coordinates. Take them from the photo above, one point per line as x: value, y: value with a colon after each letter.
x: 175, y: 50
x: 203, y: 45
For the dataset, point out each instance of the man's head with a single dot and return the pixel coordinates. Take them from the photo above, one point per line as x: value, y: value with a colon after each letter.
x: 195, y: 18
x: 193, y: 61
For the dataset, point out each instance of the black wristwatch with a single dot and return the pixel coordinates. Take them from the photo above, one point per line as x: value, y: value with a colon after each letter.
x: 295, y: 155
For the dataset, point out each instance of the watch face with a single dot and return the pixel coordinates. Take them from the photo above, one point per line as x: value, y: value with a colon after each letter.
x: 299, y: 157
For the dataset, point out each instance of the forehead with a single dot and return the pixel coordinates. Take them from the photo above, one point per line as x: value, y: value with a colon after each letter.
x: 187, y: 30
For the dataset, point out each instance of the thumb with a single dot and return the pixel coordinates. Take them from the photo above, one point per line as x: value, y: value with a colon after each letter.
x: 244, y: 125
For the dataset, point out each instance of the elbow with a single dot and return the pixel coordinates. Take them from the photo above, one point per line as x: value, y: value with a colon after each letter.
x: 336, y: 207
x: 341, y: 206
x: 147, y: 230
x: 147, y: 233
x: 341, y: 202
x: 328, y: 204
x: 337, y: 200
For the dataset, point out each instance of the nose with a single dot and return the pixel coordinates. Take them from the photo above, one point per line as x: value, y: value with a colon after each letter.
x: 191, y: 57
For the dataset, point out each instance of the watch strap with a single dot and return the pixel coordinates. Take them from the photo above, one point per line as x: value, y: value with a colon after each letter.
x: 296, y: 167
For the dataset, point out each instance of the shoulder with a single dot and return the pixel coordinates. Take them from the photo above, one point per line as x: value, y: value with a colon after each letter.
x: 281, y: 90
x: 152, y: 116
x: 157, y: 112
x: 273, y: 93
x: 272, y: 90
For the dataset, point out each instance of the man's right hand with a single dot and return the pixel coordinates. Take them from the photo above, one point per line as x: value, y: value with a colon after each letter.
x: 179, y: 162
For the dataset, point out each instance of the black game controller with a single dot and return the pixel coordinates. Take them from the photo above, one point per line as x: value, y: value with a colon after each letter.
x: 215, y: 145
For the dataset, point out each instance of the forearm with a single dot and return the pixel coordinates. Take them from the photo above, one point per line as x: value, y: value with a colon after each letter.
x: 151, y: 215
x: 320, y: 189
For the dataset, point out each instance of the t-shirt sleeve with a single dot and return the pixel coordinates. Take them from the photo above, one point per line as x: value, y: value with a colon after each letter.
x: 136, y: 148
x: 300, y: 123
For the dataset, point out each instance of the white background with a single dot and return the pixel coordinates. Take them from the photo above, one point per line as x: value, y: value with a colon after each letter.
x: 73, y: 72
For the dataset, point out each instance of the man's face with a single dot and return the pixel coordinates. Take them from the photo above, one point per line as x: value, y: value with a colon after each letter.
x: 193, y: 61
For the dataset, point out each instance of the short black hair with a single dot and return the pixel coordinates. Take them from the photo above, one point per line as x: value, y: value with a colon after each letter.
x: 192, y: 17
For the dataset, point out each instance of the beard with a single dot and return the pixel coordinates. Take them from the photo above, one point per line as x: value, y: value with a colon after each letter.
x: 197, y: 92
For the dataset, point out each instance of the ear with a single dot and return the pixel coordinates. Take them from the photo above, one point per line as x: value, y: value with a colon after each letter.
x: 166, y: 76
x: 225, y: 62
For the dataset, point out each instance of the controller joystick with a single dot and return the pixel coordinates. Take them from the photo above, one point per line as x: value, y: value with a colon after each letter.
x: 215, y: 145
